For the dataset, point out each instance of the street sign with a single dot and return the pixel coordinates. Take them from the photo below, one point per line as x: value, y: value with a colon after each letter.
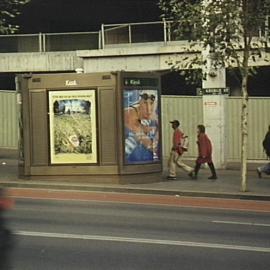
x: 213, y: 91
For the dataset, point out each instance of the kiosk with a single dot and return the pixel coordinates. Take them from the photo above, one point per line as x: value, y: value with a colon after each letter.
x: 100, y: 127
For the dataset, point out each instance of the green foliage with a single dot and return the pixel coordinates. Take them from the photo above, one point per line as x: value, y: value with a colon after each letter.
x: 9, y: 9
x: 227, y: 29
x: 185, y: 15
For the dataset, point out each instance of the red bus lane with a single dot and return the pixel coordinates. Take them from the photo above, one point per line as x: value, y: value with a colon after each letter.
x: 131, y: 198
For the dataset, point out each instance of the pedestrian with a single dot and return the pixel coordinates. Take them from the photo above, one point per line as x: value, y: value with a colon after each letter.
x: 266, y: 146
x: 204, y: 153
x: 177, y: 151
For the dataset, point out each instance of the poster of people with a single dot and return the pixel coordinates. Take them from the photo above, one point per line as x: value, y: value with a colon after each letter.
x: 73, y: 137
x: 141, y: 112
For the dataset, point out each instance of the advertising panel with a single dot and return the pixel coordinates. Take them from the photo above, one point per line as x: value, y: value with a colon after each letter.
x: 141, y: 120
x: 72, y: 122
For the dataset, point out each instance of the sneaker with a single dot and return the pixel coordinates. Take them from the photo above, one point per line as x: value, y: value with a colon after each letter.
x: 213, y: 177
x: 171, y: 177
x: 259, y: 173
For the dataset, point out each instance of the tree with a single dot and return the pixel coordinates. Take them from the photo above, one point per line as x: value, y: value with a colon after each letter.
x: 9, y: 9
x: 228, y: 30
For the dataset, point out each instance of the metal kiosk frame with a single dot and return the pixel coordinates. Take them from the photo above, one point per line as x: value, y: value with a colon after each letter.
x: 49, y: 99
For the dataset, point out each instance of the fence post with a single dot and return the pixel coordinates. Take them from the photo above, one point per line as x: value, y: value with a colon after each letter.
x: 44, y: 43
x: 169, y: 32
x: 129, y: 34
x: 165, y: 31
x: 40, y: 42
x: 99, y: 40
x: 102, y: 37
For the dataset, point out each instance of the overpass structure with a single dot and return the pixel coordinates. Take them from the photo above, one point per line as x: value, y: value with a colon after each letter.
x: 148, y: 46
x: 135, y: 57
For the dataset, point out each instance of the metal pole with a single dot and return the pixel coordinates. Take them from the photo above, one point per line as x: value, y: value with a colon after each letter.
x: 44, y: 43
x: 169, y: 32
x: 165, y: 30
x: 129, y: 34
x: 99, y: 40
x: 40, y: 42
x: 102, y: 36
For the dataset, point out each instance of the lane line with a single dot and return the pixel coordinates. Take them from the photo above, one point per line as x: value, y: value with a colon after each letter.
x: 142, y: 241
x: 241, y: 223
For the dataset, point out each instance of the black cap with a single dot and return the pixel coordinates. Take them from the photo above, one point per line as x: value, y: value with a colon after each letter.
x: 175, y: 122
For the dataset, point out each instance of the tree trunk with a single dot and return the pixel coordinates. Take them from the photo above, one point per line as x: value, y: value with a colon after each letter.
x: 244, y: 131
x: 245, y: 72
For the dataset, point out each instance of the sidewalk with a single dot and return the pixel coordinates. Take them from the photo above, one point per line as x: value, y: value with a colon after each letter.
x: 227, y: 185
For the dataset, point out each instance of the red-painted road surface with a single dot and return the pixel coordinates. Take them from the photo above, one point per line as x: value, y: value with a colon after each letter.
x: 165, y: 200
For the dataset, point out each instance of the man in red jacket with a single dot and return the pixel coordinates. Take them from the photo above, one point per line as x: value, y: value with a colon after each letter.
x: 205, y: 153
x: 177, y: 152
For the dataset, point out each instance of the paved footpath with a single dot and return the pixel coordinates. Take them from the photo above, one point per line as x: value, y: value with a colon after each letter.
x: 180, y: 192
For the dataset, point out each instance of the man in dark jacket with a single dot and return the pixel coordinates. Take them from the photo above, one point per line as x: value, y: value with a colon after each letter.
x: 266, y: 146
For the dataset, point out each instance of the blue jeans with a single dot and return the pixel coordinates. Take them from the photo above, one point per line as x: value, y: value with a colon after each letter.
x: 265, y: 168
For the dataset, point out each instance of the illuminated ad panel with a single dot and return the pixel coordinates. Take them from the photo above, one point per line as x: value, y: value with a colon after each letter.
x: 72, y: 121
x: 141, y: 123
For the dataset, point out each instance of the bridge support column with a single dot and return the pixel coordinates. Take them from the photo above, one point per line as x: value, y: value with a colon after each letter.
x: 214, y: 113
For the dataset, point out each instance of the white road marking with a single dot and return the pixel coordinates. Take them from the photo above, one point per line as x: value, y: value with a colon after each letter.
x: 142, y: 241
x: 241, y: 223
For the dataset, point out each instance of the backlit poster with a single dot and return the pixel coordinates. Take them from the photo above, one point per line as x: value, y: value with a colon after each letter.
x: 73, y: 137
x: 141, y: 120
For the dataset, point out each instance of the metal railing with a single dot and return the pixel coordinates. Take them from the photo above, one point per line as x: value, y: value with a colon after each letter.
x: 135, y: 33
x: 20, y: 43
x: 109, y: 35
x: 71, y: 41
x: 50, y: 42
x: 160, y: 31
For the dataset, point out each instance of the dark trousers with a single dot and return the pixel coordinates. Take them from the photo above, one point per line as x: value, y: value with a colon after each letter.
x: 211, y: 167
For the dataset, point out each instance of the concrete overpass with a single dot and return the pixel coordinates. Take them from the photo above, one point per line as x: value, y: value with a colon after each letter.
x: 113, y: 48
x: 153, y: 56
x: 39, y: 62
x: 135, y: 57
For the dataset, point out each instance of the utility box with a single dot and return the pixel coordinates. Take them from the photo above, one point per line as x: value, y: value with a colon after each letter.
x: 102, y: 127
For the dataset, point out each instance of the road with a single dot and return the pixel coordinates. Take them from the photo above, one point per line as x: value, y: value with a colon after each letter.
x: 72, y: 235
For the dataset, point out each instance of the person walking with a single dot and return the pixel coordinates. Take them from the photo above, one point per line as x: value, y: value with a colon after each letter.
x: 204, y: 153
x: 177, y: 152
x: 266, y: 146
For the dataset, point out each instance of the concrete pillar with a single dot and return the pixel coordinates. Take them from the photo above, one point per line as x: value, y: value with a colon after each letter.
x: 214, y: 111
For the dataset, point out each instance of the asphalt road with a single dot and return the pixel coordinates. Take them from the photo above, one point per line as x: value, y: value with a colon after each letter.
x: 74, y: 235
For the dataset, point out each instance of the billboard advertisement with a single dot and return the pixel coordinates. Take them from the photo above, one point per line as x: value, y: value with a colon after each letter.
x: 72, y: 122
x: 141, y: 122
